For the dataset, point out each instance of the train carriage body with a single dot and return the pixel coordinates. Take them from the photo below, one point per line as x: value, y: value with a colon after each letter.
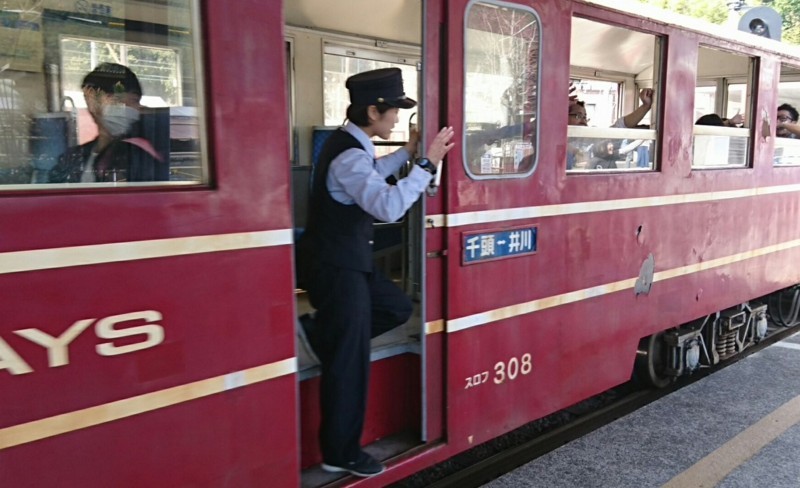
x: 148, y: 333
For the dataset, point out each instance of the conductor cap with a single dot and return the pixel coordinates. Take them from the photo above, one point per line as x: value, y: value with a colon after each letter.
x: 383, y: 85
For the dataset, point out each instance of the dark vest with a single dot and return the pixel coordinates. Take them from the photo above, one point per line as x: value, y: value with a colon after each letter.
x: 338, y: 234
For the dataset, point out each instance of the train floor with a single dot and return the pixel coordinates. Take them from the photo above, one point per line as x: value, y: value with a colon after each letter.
x: 739, y: 427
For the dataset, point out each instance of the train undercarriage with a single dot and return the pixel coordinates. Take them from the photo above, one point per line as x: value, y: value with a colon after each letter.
x: 710, y: 340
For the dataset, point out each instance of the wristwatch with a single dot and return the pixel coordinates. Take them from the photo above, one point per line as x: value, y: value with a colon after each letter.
x: 426, y: 164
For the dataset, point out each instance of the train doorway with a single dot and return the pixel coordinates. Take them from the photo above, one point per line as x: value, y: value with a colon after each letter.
x: 323, y: 49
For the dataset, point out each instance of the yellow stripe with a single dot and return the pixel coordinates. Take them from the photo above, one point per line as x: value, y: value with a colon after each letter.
x: 537, y: 305
x: 715, y: 467
x: 715, y: 263
x: 435, y: 327
x: 506, y: 214
x: 20, y: 261
x: 516, y: 310
x: 89, y: 417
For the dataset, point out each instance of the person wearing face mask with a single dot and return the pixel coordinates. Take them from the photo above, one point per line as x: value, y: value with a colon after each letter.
x: 119, y: 152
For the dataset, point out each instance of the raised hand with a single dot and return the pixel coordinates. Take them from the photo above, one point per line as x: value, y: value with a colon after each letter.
x: 646, y: 96
x: 440, y: 145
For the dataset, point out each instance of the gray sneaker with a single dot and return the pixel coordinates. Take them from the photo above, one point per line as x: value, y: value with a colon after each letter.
x: 365, y: 467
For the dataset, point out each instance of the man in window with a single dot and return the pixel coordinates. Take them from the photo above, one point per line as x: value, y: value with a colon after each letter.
x: 787, y: 122
x: 119, y: 152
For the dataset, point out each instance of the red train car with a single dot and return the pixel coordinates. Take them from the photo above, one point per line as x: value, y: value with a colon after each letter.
x: 148, y: 299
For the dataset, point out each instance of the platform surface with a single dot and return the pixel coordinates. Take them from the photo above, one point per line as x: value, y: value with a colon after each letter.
x: 739, y: 427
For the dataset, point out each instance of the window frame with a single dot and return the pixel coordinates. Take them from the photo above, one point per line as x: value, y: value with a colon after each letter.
x: 792, y: 76
x: 206, y: 163
x: 537, y: 130
x: 627, y: 83
x: 722, y: 95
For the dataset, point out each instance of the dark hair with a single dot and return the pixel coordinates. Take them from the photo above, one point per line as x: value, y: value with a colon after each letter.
x: 710, y: 119
x: 579, y: 103
x: 791, y: 110
x: 113, y: 78
x: 357, y: 114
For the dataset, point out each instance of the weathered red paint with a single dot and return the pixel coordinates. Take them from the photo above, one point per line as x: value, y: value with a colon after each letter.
x: 223, y: 312
x: 393, y: 405
x: 229, y: 311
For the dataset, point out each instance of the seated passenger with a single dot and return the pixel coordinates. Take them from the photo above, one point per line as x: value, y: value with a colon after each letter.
x: 605, y: 156
x: 716, y: 120
x: 787, y: 122
x: 711, y: 150
x: 118, y: 153
x: 577, y: 112
x: 577, y: 116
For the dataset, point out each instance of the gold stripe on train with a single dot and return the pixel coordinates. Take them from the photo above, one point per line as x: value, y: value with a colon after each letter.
x: 148, y: 402
x: 510, y: 311
x: 519, y: 213
x: 64, y: 257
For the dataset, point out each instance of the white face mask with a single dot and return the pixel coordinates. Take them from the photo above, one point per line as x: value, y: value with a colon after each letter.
x: 118, y: 119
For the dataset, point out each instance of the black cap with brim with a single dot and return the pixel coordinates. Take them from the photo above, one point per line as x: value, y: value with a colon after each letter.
x: 383, y: 85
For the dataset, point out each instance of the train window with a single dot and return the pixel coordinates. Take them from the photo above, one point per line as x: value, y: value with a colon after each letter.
x: 787, y: 126
x: 610, y: 122
x: 103, y: 94
x: 339, y: 63
x: 501, y: 49
x: 721, y: 131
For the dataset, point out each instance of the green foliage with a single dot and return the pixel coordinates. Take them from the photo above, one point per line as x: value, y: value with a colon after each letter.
x: 716, y: 11
x: 790, y: 11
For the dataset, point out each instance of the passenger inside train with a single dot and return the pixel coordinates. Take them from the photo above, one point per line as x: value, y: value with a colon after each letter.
x: 119, y: 152
x: 52, y: 96
x: 605, y: 154
x: 617, y: 93
x: 723, y: 98
x: 787, y: 122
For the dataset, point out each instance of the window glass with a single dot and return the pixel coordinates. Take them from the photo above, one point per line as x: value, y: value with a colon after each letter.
x: 722, y: 127
x: 737, y: 100
x: 609, y: 126
x: 705, y: 100
x: 337, y: 68
x: 500, y: 90
x: 100, y: 94
x: 786, y: 126
x: 601, y: 100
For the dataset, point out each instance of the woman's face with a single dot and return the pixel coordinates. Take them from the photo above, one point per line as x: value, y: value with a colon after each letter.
x: 383, y: 124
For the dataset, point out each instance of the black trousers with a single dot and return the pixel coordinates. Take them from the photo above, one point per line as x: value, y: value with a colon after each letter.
x: 352, y: 307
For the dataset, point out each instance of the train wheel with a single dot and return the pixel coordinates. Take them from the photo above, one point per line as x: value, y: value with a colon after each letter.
x: 651, y: 362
